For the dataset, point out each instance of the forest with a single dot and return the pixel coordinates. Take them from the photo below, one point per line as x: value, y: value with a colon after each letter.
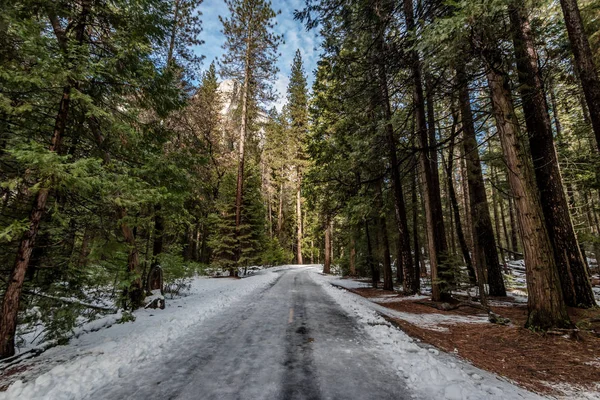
x: 439, y: 142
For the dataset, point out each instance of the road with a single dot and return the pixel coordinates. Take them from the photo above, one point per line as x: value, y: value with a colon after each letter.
x: 289, y: 341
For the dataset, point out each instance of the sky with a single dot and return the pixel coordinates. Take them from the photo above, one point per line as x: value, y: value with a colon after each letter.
x: 294, y: 34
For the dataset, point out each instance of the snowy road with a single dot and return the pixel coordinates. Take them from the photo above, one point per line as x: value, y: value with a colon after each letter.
x: 288, y: 341
x: 284, y: 333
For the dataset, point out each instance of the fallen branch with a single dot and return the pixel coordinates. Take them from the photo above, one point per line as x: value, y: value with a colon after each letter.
x: 71, y: 301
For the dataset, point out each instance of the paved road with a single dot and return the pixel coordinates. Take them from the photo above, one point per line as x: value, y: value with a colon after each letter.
x: 290, y: 341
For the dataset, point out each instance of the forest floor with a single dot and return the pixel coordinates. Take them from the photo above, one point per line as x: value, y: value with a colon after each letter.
x: 563, y: 366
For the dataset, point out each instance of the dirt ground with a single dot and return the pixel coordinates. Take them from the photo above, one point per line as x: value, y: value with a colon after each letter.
x: 540, y: 362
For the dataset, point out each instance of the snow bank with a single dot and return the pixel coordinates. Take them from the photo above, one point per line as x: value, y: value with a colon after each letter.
x: 425, y: 370
x: 95, y: 359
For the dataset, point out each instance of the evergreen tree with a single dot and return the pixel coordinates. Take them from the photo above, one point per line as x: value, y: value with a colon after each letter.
x: 297, y: 107
x: 251, y: 52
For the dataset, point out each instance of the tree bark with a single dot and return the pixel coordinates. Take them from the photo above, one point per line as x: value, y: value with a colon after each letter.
x: 545, y: 300
x: 438, y: 248
x: 572, y: 268
x: 584, y: 62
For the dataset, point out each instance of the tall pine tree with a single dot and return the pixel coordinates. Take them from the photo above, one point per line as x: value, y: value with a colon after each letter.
x: 250, y: 56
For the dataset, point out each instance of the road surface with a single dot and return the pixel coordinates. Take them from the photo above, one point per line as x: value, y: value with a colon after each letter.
x: 288, y: 341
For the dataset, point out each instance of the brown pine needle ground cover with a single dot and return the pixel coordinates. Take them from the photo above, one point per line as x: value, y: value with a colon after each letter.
x: 550, y: 364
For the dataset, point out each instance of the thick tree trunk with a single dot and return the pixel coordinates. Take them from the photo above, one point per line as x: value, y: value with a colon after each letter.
x: 484, y: 242
x: 438, y: 248
x: 572, y: 268
x: 545, y: 300
x: 299, y: 221
x: 327, y: 265
x: 584, y: 62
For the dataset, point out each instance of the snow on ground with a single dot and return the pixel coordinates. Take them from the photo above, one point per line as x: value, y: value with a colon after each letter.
x: 432, y: 321
x: 570, y: 392
x: 93, y: 360
x: 426, y: 370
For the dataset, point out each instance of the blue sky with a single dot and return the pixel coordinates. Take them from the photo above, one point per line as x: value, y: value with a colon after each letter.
x: 294, y: 34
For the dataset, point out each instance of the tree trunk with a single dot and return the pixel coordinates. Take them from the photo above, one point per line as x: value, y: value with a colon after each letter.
x: 327, y: 265
x: 299, y: 220
x: 352, y: 255
x: 84, y: 252
x: 484, y: 242
x: 438, y: 248
x: 514, y: 238
x: 173, y: 33
x: 388, y: 281
x: 415, y: 221
x: 504, y: 229
x: 280, y: 213
x: 370, y: 263
x: 454, y: 205
x: 159, y: 228
x: 584, y: 62
x: 497, y: 200
x: 572, y: 269
x: 133, y: 295
x: 545, y: 301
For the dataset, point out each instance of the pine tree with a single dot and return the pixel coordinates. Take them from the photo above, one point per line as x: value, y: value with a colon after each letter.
x: 251, y: 52
x: 298, y: 111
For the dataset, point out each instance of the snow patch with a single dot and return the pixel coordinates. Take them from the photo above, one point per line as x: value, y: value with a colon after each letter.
x: 96, y: 359
x: 436, y: 375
